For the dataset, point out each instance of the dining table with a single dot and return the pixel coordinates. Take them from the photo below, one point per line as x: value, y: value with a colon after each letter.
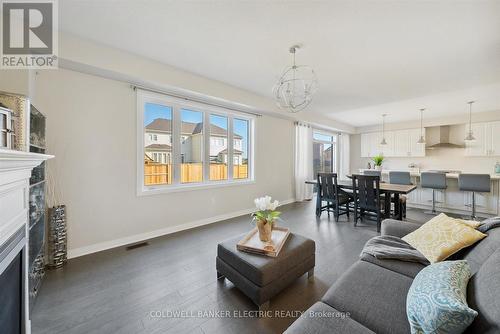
x: 389, y: 189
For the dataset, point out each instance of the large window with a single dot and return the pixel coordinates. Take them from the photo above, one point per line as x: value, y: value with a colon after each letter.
x: 185, y: 144
x: 324, y: 152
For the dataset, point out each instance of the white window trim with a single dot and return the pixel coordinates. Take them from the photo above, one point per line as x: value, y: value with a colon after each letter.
x: 143, y: 97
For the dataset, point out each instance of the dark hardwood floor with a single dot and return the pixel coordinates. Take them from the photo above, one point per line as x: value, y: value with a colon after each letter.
x: 115, y: 291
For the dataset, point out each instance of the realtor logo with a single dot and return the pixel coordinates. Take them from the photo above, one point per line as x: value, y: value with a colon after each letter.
x: 29, y: 34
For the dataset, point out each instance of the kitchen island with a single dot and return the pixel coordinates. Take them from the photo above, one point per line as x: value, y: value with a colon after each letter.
x: 452, y: 200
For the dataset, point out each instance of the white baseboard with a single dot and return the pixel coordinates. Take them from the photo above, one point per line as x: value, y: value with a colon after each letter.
x: 94, y: 248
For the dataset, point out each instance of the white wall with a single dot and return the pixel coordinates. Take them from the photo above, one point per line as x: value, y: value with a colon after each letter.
x: 91, y: 129
x: 77, y: 53
x: 15, y: 81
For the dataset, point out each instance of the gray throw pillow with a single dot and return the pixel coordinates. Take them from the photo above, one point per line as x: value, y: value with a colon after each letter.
x: 488, y: 224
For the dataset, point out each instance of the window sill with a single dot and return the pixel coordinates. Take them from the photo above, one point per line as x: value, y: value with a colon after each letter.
x: 165, y: 189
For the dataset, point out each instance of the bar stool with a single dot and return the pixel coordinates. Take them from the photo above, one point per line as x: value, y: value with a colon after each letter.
x: 396, y: 177
x: 399, y: 177
x: 474, y: 183
x: 433, y: 180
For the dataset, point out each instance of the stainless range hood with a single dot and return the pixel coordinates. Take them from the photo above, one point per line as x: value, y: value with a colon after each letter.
x: 439, y: 137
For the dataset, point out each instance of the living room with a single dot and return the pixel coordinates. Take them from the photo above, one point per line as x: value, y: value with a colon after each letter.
x: 251, y: 167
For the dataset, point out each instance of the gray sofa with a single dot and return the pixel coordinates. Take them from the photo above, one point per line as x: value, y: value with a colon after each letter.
x: 373, y: 292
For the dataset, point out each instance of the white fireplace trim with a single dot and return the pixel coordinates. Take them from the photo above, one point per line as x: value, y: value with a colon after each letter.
x: 18, y: 160
x: 15, y: 171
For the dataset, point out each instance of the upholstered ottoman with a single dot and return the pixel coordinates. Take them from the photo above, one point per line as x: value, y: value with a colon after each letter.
x: 261, y: 277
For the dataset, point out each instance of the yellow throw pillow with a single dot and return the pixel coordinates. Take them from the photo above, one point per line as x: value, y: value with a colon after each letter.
x: 442, y: 236
x: 472, y: 223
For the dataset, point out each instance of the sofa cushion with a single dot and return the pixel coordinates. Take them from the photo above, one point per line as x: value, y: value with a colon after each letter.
x: 374, y: 296
x: 324, y: 319
x: 442, y: 236
x: 262, y: 270
x: 398, y: 228
x: 488, y: 224
x: 480, y: 252
x: 409, y: 269
x: 437, y: 301
x: 483, y: 295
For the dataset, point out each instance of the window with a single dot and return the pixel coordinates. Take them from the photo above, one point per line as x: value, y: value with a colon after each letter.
x: 240, y: 149
x: 157, y: 119
x: 191, y: 146
x: 324, y: 152
x: 218, y: 149
x: 185, y: 144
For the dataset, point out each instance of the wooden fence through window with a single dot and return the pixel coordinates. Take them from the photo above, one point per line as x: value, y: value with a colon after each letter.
x: 156, y: 173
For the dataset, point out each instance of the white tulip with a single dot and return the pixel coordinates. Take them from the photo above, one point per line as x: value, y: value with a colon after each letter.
x: 265, y: 203
x: 257, y: 203
x: 260, y: 203
x: 274, y: 205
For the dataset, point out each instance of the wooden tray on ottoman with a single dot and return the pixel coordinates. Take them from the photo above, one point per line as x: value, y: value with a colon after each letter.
x: 252, y: 244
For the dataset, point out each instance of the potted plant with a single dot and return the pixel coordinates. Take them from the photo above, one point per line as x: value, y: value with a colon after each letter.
x: 377, y: 161
x: 265, y: 217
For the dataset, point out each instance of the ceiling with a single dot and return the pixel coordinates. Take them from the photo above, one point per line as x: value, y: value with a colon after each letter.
x: 367, y: 54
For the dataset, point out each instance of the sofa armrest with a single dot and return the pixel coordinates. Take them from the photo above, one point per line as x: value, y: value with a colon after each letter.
x: 398, y: 228
x: 324, y: 319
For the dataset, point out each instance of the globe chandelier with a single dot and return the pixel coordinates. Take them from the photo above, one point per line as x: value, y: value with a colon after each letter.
x: 295, y: 88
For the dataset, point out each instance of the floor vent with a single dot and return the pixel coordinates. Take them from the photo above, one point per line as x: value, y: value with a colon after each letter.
x: 142, y: 244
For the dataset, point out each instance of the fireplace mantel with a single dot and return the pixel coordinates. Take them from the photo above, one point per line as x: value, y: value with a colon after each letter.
x: 15, y: 171
x: 18, y: 160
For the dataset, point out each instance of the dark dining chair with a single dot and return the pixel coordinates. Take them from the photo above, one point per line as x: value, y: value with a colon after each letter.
x: 367, y: 199
x: 337, y: 201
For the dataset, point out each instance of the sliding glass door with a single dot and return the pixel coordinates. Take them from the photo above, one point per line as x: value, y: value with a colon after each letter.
x: 324, y: 153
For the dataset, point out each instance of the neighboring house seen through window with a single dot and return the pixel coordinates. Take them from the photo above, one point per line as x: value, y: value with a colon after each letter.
x: 192, y: 158
x: 324, y: 152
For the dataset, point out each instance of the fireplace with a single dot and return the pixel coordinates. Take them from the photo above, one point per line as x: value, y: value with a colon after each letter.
x: 12, y: 283
x: 20, y: 221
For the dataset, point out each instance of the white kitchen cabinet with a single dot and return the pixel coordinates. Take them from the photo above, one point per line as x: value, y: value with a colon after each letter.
x: 387, y: 150
x: 375, y: 139
x: 370, y: 144
x: 405, y: 143
x: 456, y: 201
x: 401, y: 141
x: 365, y: 145
x: 416, y: 150
x: 487, y: 141
x: 485, y: 202
x: 455, y: 198
x: 494, y: 138
x: 478, y: 147
x: 414, y: 196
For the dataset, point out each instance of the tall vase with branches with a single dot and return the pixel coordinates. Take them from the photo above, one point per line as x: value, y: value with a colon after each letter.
x: 57, y: 231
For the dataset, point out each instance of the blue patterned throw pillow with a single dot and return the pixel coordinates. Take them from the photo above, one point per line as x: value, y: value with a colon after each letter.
x: 436, y: 301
